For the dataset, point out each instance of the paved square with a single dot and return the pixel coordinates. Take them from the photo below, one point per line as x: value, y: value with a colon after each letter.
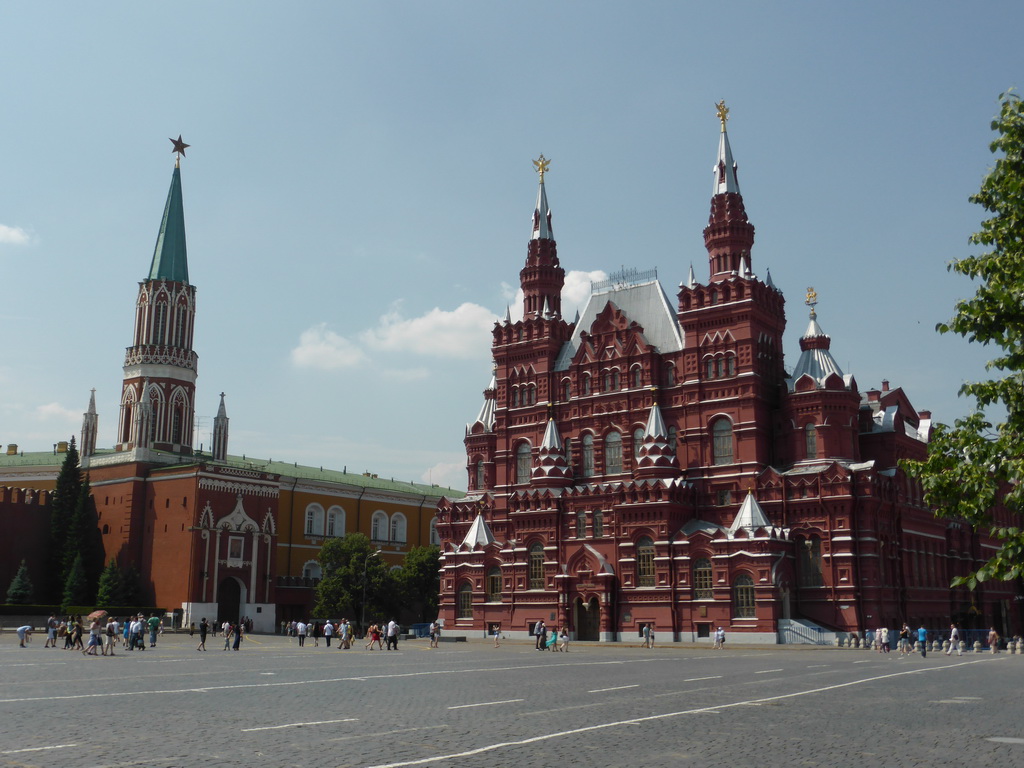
x: 470, y: 704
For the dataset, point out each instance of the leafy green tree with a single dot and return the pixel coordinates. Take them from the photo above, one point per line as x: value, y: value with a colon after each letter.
x: 351, y: 569
x: 111, y: 587
x: 62, y: 509
x: 418, y: 582
x: 20, y: 591
x: 76, y: 589
x: 974, y: 469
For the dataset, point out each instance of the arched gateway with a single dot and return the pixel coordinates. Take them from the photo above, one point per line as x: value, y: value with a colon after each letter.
x: 587, y: 619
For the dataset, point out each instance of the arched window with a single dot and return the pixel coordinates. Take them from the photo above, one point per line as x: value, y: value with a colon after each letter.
x: 531, y: 394
x: 398, y: 527
x: 585, y: 384
x: 336, y: 521
x: 731, y: 360
x: 494, y: 585
x: 536, y: 566
x: 314, y: 520
x: 523, y: 463
x: 638, y: 443
x: 581, y: 525
x: 721, y: 432
x: 711, y: 368
x: 379, y: 526
x: 743, y: 598
x: 645, y: 562
x: 312, y: 570
x: 638, y: 376
x: 810, y: 563
x: 672, y: 439
x: 160, y: 324
x: 598, y: 524
x: 480, y: 478
x: 588, y: 455
x: 613, y: 454
x: 670, y: 375
x: 702, y: 584
x: 435, y: 539
x: 464, y: 609
x: 567, y: 390
x: 811, y: 441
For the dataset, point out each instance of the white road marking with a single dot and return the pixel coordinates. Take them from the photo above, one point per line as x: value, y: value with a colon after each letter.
x: 299, y: 725
x: 313, y: 681
x: 617, y: 688
x: 1005, y: 740
x: 698, y: 679
x: 665, y: 716
x: 767, y: 671
x: 36, y: 749
x: 486, y: 704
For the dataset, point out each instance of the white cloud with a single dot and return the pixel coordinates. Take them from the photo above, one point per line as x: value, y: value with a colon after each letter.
x: 446, y: 474
x: 464, y: 332
x: 575, y: 292
x: 321, y: 348
x: 13, y: 235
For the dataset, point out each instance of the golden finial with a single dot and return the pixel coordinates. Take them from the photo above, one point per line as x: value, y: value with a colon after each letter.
x: 722, y: 112
x: 541, y: 164
x: 812, y: 300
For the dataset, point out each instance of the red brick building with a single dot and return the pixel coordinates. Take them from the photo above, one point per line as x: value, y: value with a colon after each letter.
x: 656, y: 463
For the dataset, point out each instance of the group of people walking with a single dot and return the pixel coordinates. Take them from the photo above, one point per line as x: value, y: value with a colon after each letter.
x: 558, y: 640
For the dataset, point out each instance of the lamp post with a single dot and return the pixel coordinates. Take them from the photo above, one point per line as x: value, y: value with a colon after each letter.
x: 362, y: 623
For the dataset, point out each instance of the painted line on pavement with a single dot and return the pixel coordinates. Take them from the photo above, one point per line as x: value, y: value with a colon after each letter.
x: 617, y: 688
x: 665, y: 716
x: 36, y: 749
x: 299, y: 725
x: 486, y: 704
x: 316, y: 681
x: 768, y: 671
x: 698, y: 679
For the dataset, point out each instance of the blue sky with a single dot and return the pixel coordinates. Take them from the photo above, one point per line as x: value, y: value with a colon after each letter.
x: 359, y: 189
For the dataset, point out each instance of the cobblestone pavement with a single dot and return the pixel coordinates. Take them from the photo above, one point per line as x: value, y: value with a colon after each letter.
x: 470, y: 704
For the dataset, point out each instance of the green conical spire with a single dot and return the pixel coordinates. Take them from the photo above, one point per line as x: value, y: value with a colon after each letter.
x: 170, y: 259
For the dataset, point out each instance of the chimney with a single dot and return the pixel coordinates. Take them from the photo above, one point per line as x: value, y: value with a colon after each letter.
x: 885, y: 385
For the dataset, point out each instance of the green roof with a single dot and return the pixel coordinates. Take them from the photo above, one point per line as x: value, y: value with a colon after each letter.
x: 49, y: 458
x: 170, y: 259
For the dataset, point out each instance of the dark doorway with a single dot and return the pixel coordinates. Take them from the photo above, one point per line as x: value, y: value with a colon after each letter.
x: 588, y: 619
x: 229, y: 601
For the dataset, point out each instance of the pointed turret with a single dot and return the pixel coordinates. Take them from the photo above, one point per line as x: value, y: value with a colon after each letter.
x: 220, y: 432
x: 158, y: 390
x: 543, y: 277
x: 90, y: 422
x: 170, y: 258
x: 655, y: 458
x: 729, y: 236
x: 552, y: 469
x: 751, y: 517
x: 486, y: 416
x: 816, y: 358
x: 478, y: 535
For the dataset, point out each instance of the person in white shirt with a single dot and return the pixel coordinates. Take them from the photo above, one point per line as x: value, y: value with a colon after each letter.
x: 328, y: 631
x: 954, y: 641
x: 392, y: 635
x: 300, y: 630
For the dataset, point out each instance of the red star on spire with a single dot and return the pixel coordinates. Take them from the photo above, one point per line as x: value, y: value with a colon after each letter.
x: 179, y: 146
